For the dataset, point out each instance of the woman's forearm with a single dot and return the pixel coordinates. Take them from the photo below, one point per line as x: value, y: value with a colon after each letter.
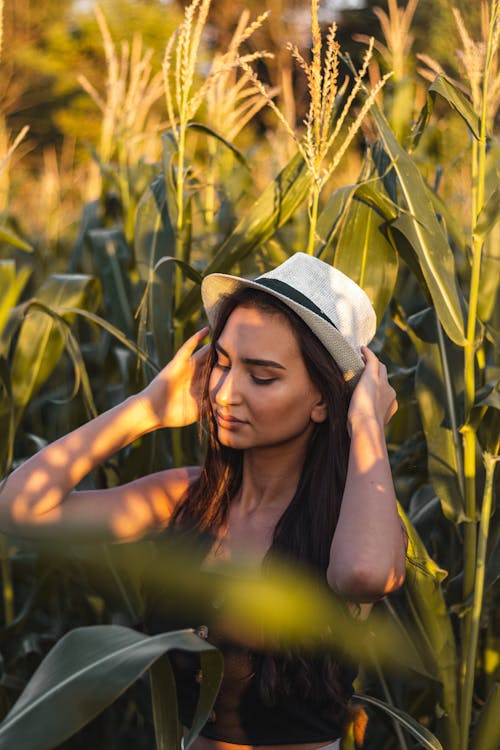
x: 367, y: 558
x: 42, y: 482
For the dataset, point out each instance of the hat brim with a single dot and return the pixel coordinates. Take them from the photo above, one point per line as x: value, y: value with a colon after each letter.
x: 216, y: 286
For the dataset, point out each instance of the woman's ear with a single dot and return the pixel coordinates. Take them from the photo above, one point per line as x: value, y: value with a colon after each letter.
x: 319, y: 411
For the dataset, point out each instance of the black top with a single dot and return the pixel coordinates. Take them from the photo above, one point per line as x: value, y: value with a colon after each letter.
x: 239, y: 715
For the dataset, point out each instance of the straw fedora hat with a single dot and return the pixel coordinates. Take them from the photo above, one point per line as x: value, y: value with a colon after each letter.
x: 334, y: 307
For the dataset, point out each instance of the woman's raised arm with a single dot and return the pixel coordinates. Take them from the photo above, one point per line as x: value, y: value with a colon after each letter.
x: 37, y: 500
x: 367, y: 557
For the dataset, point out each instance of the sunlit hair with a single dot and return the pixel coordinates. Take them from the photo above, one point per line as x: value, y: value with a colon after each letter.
x: 304, y: 532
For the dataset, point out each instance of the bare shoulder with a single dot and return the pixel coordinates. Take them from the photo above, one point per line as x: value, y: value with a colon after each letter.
x: 167, y: 487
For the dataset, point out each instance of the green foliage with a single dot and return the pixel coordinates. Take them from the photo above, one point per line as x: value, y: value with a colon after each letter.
x: 418, y: 229
x: 88, y: 669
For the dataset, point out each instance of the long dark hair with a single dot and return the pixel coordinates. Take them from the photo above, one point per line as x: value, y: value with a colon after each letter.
x: 304, y: 532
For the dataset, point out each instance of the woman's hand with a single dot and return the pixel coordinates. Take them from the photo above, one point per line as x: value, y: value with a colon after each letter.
x: 174, y: 394
x: 373, y: 397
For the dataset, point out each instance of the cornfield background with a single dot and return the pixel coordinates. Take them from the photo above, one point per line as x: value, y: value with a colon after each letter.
x: 143, y: 145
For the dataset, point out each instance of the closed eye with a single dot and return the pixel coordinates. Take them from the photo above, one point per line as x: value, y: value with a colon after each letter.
x: 262, y: 381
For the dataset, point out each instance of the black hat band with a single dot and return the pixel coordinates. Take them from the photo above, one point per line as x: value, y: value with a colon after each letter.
x: 289, y: 291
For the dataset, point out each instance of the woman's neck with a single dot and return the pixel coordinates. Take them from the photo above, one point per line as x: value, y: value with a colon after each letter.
x: 270, y: 477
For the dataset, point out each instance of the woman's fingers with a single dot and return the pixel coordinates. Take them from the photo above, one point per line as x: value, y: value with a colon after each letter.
x: 189, y: 346
x: 383, y: 396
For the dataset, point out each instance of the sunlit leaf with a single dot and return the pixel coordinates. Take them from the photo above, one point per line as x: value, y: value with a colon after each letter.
x: 489, y: 285
x: 364, y: 253
x: 86, y: 671
x: 489, y: 216
x: 12, y: 283
x: 41, y: 342
x: 419, y: 225
x: 13, y: 239
x: 443, y: 87
x: 351, y: 235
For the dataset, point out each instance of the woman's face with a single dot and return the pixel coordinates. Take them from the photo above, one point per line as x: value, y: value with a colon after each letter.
x: 260, y: 391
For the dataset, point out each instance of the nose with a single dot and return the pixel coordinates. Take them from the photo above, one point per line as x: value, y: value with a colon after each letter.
x: 225, y: 388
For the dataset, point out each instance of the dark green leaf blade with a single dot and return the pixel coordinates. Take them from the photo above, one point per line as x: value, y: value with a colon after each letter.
x: 87, y: 670
x: 431, y: 620
x: 421, y: 733
x: 168, y: 731
x: 112, y: 254
x: 155, y: 237
x: 213, y: 134
x: 435, y: 401
x: 487, y: 732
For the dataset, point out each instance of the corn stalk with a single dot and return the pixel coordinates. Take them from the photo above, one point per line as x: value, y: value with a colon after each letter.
x: 474, y: 558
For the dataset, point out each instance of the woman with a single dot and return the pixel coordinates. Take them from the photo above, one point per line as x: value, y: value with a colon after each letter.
x: 296, y: 464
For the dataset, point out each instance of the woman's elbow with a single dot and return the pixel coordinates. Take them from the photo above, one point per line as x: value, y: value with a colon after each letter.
x: 366, y: 583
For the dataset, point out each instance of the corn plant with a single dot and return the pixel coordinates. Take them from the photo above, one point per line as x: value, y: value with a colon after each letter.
x: 434, y: 286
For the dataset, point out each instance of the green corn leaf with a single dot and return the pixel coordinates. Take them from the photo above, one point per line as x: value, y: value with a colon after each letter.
x: 12, y: 239
x: 86, y: 671
x: 91, y: 219
x: 169, y: 152
x: 213, y: 134
x: 364, y: 253
x: 41, y: 341
x: 488, y: 231
x: 155, y: 237
x: 489, y: 216
x: 276, y: 205
x: 489, y: 285
x: 7, y: 424
x: 352, y: 236
x: 436, y: 386
x: 426, y: 738
x: 487, y: 732
x: 330, y: 222
x: 422, y: 230
x: 113, y: 330
x: 373, y: 195
x: 430, y: 619
x: 12, y: 284
x: 188, y: 271
x: 168, y: 730
x: 82, y: 381
x: 112, y: 258
x: 443, y: 87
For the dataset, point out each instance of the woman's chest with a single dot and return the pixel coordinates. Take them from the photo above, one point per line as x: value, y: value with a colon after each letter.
x: 242, y: 540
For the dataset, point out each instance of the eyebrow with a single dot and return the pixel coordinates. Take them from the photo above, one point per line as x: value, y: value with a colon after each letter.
x: 252, y: 360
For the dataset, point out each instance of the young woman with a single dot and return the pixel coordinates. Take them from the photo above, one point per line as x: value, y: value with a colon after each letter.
x: 296, y: 465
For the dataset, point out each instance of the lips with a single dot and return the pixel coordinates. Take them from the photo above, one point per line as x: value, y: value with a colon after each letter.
x: 227, y: 420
